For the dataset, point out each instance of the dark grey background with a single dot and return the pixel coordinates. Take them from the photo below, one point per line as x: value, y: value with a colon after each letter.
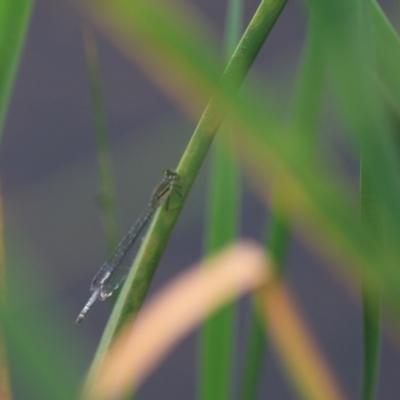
x: 49, y: 180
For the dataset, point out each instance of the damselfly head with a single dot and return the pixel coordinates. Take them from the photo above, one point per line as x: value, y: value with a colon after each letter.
x: 171, y: 175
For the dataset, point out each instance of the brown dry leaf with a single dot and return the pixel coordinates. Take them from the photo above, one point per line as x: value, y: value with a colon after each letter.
x: 296, y: 346
x: 174, y: 312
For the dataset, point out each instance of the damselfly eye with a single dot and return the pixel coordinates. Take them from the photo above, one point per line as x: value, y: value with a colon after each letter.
x: 172, y: 175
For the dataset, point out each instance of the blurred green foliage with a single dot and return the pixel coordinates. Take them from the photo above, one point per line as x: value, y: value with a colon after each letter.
x: 350, y: 44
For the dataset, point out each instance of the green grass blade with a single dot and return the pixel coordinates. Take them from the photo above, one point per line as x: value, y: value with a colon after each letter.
x: 318, y: 201
x: 387, y: 44
x: 278, y: 238
x: 14, y: 22
x: 43, y: 348
x: 234, y: 26
x: 309, y: 88
x: 132, y: 16
x: 305, y: 114
x: 371, y: 215
x: 371, y: 304
x: 254, y: 359
x: 371, y: 299
x: 217, y: 342
x: 5, y: 384
x: 217, y: 336
x: 105, y: 169
x: 277, y: 243
x: 43, y: 364
x: 349, y: 51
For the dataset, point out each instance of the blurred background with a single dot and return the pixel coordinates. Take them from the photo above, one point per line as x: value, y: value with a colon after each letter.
x: 55, y: 240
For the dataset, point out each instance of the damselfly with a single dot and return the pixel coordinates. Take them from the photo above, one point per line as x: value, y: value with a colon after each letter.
x: 116, y: 268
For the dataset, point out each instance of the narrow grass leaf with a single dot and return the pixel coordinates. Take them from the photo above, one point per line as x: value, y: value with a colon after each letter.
x: 5, y: 388
x: 371, y: 299
x: 387, y: 44
x: 43, y: 350
x: 347, y: 31
x: 14, y: 22
x: 371, y: 304
x: 218, y: 333
x: 303, y: 119
x: 106, y: 195
x: 254, y: 359
x: 216, y: 352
